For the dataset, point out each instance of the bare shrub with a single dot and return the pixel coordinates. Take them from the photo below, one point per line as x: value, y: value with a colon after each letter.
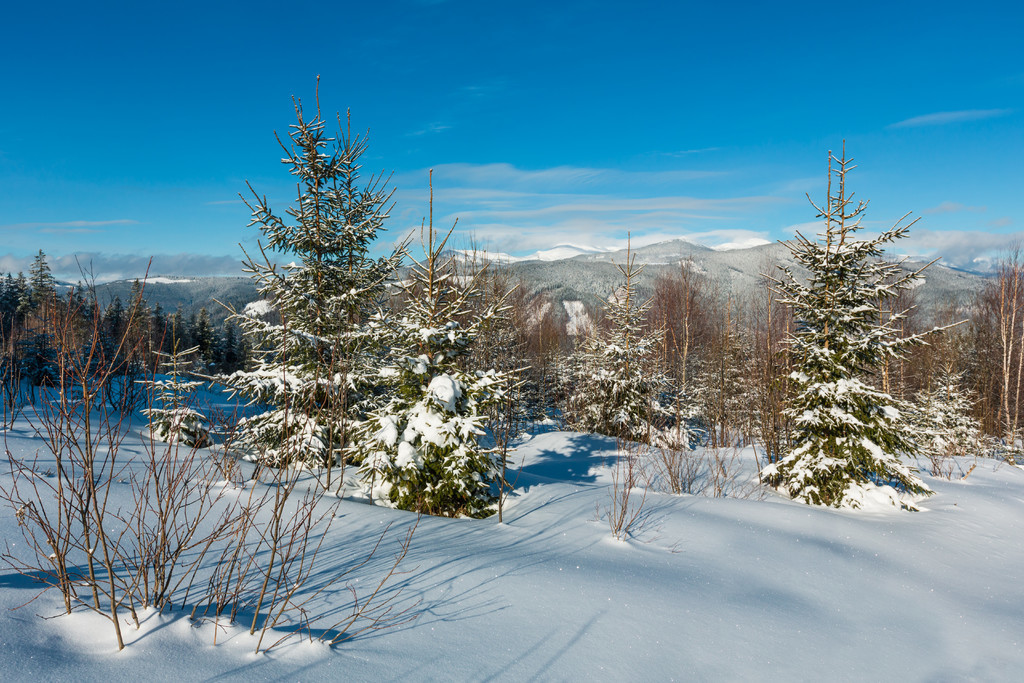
x: 182, y: 535
x: 712, y: 472
x: 941, y: 465
x: 266, y: 568
x: 679, y: 470
x: 10, y: 388
x: 628, y: 492
x: 724, y: 468
x: 174, y: 521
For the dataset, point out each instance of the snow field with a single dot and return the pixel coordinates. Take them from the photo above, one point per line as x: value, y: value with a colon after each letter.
x: 710, y: 589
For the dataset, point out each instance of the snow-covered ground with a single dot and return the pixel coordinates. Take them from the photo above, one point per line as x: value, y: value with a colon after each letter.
x: 710, y: 589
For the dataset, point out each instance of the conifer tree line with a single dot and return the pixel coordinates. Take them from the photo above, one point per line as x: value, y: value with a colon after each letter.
x: 30, y: 305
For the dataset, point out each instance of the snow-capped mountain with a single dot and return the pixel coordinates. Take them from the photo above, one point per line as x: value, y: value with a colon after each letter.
x: 569, y: 273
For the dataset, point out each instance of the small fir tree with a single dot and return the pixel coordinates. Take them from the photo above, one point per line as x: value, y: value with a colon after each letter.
x: 421, y: 451
x: 38, y: 359
x: 310, y: 352
x: 618, y: 386
x: 204, y: 336
x: 24, y: 293
x: 848, y: 436
x: 172, y: 416
x: 943, y: 423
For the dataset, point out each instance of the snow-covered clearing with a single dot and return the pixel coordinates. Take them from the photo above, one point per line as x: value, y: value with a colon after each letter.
x: 166, y: 280
x: 709, y: 589
x: 258, y: 308
x: 579, y: 320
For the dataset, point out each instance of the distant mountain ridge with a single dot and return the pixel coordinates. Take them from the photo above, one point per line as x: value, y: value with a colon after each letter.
x: 568, y: 273
x: 190, y: 294
x: 593, y: 277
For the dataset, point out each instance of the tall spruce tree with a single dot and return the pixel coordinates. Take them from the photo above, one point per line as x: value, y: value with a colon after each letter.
x: 618, y: 386
x: 43, y: 284
x: 422, y: 451
x: 848, y: 436
x: 309, y: 353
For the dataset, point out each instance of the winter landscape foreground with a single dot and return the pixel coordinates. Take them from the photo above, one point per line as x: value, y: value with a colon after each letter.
x: 709, y: 588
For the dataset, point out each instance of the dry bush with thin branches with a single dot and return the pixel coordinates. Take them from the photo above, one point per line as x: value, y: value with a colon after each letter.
x: 724, y: 474
x: 266, y: 570
x: 679, y: 470
x: 712, y: 472
x: 187, y: 533
x: 627, y: 494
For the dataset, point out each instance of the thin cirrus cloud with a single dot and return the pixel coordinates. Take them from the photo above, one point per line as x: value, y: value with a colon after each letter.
x: 688, y: 152
x: 943, y: 118
x: 430, y: 129
x: 70, y: 226
x: 101, y: 267
x: 953, y: 207
x: 559, y: 178
x: 959, y: 248
x: 585, y: 205
x: 518, y: 210
x: 70, y: 231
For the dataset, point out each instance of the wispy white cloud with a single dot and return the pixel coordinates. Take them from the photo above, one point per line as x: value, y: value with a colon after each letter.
x: 953, y: 207
x: 105, y: 267
x: 520, y: 211
x: 486, y: 89
x: 558, y: 178
x: 69, y: 224
x: 943, y: 118
x: 689, y: 152
x: 802, y: 186
x: 70, y: 231
x: 808, y: 229
x: 429, y: 129
x: 959, y: 248
x: 584, y: 205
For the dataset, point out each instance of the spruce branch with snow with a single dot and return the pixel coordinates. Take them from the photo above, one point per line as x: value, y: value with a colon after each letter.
x: 422, y: 451
x: 848, y: 435
x: 314, y: 351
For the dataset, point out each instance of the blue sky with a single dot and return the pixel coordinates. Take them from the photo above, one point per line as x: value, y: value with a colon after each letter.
x: 127, y: 130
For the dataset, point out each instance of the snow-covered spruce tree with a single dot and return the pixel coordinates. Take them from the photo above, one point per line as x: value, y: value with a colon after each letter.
x: 310, y: 354
x: 848, y: 436
x: 171, y: 414
x: 943, y: 424
x: 618, y: 384
x: 43, y: 285
x: 422, y: 450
